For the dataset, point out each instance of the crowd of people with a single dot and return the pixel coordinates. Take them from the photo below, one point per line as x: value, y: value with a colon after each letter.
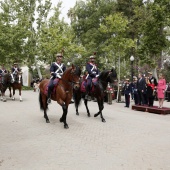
x: 144, y: 89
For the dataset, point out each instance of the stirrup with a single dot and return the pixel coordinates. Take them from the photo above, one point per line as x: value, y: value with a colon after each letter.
x: 48, y: 101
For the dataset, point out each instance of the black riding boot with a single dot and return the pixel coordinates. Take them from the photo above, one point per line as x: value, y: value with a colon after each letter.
x: 49, y: 96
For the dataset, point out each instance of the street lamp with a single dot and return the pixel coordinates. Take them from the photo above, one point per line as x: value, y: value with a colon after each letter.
x: 132, y: 59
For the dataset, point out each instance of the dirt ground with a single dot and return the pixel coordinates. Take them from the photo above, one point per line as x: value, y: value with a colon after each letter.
x: 129, y: 140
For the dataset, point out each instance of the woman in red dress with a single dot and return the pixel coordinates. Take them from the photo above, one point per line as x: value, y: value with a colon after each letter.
x: 161, y: 90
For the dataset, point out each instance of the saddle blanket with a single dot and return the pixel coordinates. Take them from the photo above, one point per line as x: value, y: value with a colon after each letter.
x: 54, y: 89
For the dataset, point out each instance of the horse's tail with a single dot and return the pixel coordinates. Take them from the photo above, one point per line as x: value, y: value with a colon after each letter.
x: 40, y: 101
x: 77, y: 97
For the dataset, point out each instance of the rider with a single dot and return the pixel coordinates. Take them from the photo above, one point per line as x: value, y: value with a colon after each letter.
x: 2, y: 71
x: 93, y: 72
x: 56, y: 70
x: 15, y: 70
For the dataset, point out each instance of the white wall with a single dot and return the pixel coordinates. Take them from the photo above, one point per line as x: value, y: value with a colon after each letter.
x: 25, y: 76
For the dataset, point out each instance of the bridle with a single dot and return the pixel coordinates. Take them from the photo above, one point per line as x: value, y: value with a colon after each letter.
x: 71, y: 82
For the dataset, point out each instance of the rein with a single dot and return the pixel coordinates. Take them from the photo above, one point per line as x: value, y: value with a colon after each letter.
x: 69, y: 82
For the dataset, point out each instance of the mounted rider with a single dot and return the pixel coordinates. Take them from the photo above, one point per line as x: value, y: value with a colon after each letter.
x: 2, y: 72
x: 56, y: 70
x: 14, y: 72
x: 93, y: 72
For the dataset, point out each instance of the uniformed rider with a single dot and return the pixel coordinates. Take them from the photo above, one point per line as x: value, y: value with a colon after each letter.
x: 2, y: 72
x: 56, y: 70
x: 93, y: 72
x: 14, y: 71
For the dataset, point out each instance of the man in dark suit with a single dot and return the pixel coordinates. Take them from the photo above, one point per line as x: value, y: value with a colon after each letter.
x: 141, y: 85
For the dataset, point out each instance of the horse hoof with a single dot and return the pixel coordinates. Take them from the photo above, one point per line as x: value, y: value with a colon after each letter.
x: 103, y: 120
x: 95, y: 115
x: 77, y: 114
x: 66, y: 126
x: 20, y: 100
x: 47, y: 121
x: 88, y: 115
x: 4, y: 100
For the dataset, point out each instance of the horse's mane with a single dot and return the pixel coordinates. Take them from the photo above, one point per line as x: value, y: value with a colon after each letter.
x: 77, y: 70
x: 103, y: 74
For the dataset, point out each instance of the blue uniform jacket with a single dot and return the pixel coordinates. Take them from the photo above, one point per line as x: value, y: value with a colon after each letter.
x: 127, y: 88
x: 2, y: 71
x: 57, y: 68
x: 15, y: 68
x: 92, y: 70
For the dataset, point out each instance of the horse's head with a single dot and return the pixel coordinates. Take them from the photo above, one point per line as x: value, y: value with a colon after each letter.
x: 6, y: 78
x: 112, y: 76
x: 108, y: 76
x: 72, y: 74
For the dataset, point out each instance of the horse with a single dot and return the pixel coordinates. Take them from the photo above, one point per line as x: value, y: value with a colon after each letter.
x: 4, y: 85
x: 98, y: 91
x: 17, y: 85
x: 62, y: 93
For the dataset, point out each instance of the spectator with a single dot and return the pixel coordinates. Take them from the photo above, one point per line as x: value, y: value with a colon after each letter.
x: 168, y: 92
x: 135, y: 91
x: 161, y: 90
x: 127, y: 90
x: 141, y: 85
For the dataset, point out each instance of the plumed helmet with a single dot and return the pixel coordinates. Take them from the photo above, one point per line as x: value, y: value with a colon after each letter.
x: 150, y: 73
x: 59, y: 55
x: 92, y: 57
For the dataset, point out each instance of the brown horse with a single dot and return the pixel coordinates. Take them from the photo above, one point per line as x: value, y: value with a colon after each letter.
x: 17, y: 85
x: 62, y: 93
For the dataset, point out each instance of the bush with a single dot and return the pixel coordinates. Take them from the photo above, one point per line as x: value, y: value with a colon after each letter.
x: 26, y: 88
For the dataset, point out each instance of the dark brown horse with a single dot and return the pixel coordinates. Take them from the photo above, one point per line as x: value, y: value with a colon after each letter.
x: 62, y: 92
x: 17, y: 85
x: 98, y: 91
x: 4, y: 84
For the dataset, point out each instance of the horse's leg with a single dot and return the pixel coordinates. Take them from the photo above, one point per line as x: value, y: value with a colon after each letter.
x: 101, y: 107
x: 85, y: 102
x: 20, y: 98
x: 64, y: 116
x: 13, y: 97
x: 10, y: 94
x: 43, y: 105
x: 3, y: 97
x: 77, y: 99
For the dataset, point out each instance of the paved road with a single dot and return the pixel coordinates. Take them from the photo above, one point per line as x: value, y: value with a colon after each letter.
x: 129, y: 140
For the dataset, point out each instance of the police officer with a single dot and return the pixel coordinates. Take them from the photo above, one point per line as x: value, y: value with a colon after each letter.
x: 14, y: 71
x: 2, y: 72
x: 127, y: 90
x: 56, y: 70
x: 93, y: 72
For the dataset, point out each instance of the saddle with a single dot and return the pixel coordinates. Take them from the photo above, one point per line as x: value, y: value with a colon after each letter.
x: 54, y: 89
x: 84, y: 84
